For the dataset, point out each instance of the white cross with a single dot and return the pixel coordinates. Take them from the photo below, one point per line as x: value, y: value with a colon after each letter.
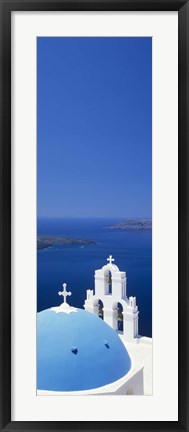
x: 110, y: 259
x: 64, y: 293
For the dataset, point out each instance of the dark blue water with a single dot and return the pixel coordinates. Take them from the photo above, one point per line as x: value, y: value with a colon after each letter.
x: 76, y: 265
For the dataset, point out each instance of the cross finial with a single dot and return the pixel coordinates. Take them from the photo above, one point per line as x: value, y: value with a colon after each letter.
x: 110, y: 259
x: 64, y: 293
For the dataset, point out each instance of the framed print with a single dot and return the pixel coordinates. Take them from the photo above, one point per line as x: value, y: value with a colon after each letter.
x: 94, y: 215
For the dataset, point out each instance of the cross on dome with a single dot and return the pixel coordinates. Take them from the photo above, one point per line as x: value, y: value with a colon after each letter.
x: 64, y: 307
x: 110, y: 259
x: 64, y: 293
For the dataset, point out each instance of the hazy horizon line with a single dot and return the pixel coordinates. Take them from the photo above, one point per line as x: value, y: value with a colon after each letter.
x: 93, y: 217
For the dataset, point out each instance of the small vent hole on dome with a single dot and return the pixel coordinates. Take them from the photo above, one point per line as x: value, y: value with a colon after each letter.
x: 74, y: 350
x: 106, y: 343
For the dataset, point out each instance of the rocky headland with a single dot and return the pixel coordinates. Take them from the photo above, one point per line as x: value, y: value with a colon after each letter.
x: 44, y: 242
x: 133, y: 224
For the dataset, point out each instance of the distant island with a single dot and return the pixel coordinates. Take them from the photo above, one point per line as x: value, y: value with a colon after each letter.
x: 133, y: 224
x: 46, y: 242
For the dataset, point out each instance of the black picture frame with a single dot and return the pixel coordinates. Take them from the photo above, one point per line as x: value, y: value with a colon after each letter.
x: 6, y: 7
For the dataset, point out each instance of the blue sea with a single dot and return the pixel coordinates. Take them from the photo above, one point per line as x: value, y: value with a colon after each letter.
x: 75, y: 264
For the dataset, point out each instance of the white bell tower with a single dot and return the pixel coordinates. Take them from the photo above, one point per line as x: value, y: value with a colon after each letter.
x: 111, y: 295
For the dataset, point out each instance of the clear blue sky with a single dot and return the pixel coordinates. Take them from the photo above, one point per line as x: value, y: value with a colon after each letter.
x: 94, y: 134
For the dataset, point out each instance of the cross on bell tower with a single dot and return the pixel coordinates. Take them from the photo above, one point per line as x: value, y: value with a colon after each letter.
x: 110, y: 259
x: 64, y: 293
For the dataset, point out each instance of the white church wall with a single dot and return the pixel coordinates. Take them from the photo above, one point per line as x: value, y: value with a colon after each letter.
x: 130, y: 323
x: 101, y: 284
x: 110, y: 317
x: 119, y: 285
x: 133, y: 386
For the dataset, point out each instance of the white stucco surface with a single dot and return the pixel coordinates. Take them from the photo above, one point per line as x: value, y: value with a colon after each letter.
x: 141, y: 354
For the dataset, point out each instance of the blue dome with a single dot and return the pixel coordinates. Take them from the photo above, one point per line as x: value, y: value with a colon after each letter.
x: 77, y: 351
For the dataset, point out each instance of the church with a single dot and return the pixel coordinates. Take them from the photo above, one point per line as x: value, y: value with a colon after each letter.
x: 96, y: 350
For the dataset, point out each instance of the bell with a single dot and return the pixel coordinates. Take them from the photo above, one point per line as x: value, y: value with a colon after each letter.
x: 110, y: 280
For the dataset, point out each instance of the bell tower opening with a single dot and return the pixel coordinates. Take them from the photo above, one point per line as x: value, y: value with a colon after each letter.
x: 100, y: 309
x: 109, y: 282
x: 119, y: 317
